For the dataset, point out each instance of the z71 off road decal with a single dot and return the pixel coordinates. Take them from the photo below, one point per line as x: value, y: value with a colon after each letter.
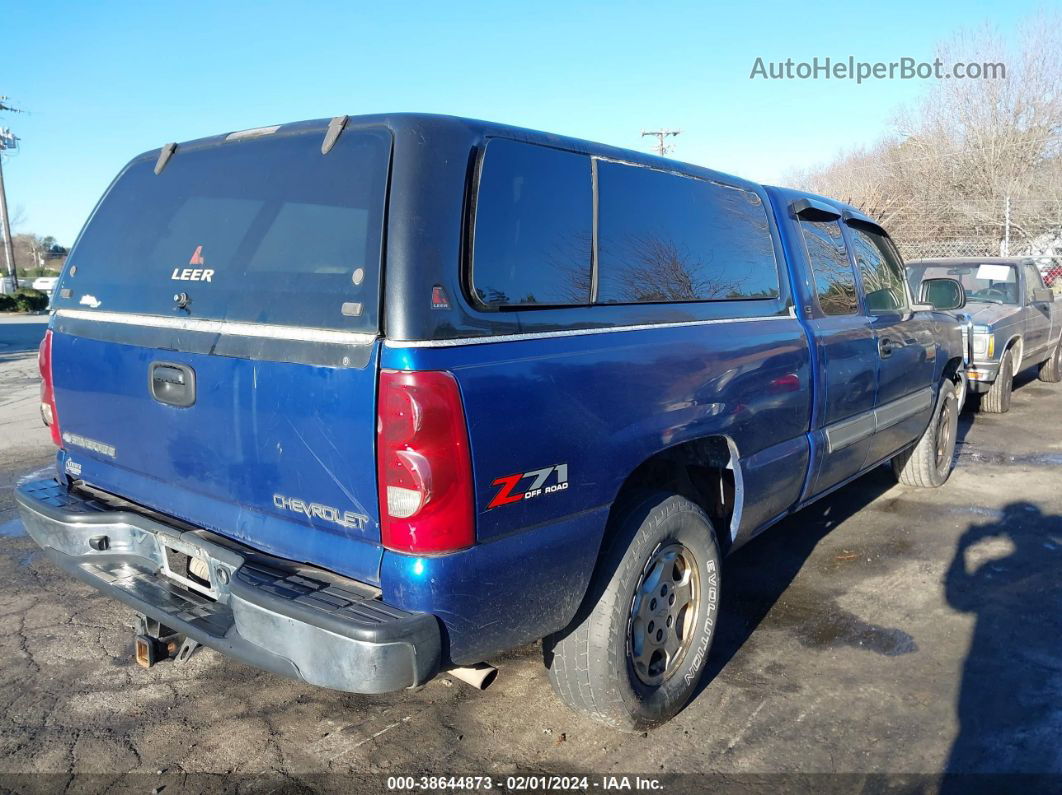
x: 513, y: 488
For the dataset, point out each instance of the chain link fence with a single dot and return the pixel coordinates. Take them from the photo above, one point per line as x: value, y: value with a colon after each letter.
x: 925, y: 249
x: 988, y: 227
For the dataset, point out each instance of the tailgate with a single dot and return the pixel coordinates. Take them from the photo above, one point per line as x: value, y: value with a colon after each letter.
x: 278, y: 455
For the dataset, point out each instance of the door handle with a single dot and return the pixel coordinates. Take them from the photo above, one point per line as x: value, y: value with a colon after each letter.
x: 173, y: 384
x: 885, y: 347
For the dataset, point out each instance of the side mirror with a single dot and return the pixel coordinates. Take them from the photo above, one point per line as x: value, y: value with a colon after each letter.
x: 1043, y: 295
x: 942, y: 294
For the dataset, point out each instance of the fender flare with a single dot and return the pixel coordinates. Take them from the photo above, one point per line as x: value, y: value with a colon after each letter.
x: 1018, y: 340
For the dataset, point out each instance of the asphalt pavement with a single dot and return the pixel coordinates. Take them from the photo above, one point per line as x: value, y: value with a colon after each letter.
x: 884, y: 631
x: 20, y: 333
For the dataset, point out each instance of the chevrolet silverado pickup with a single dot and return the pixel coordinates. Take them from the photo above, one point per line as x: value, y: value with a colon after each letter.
x: 366, y: 399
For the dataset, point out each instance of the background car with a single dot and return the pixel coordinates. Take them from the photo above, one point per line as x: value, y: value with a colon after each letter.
x: 1016, y: 321
x: 46, y: 284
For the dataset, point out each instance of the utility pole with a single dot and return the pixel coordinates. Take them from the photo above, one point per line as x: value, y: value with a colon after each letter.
x: 5, y: 221
x: 7, y: 141
x: 1006, y: 227
x: 9, y: 248
x: 661, y: 148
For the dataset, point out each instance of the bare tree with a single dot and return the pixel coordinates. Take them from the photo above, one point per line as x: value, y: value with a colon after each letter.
x: 954, y: 161
x: 655, y: 269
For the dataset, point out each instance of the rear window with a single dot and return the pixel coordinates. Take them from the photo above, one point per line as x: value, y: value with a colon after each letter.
x: 267, y: 230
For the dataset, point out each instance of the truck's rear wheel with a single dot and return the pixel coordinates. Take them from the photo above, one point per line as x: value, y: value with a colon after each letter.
x: 635, y: 652
x: 1051, y: 370
x: 997, y: 399
x: 928, y: 464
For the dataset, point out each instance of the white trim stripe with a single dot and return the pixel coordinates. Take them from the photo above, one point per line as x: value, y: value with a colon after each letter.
x: 571, y: 332
x: 300, y: 334
x: 847, y: 432
x: 291, y: 333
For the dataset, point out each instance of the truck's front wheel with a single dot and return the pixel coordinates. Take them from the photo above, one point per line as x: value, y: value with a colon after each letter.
x: 997, y: 399
x: 635, y: 652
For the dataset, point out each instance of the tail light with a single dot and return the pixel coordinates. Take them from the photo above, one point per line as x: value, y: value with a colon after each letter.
x: 48, y: 411
x: 424, y: 472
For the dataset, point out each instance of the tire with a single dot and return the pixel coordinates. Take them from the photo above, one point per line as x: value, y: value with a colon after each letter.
x: 607, y: 663
x: 929, y: 462
x: 1051, y: 370
x: 997, y: 399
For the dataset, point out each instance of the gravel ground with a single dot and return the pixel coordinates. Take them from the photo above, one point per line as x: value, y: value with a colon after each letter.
x: 884, y: 630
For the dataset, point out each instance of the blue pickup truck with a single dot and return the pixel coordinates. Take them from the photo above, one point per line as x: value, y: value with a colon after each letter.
x: 362, y: 400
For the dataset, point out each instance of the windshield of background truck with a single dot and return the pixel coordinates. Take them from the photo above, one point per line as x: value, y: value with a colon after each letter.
x: 988, y: 283
x: 266, y: 230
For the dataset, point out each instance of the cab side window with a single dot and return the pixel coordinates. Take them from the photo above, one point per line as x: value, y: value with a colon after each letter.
x: 828, y: 256
x: 881, y: 270
x: 1033, y: 282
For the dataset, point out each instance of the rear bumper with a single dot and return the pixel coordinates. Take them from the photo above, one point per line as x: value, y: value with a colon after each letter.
x: 291, y: 619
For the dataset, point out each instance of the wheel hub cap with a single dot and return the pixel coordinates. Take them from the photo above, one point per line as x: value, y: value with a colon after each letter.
x: 663, y: 613
x: 944, y: 435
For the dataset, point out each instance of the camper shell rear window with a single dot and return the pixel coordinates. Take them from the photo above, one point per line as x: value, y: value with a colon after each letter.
x: 266, y: 230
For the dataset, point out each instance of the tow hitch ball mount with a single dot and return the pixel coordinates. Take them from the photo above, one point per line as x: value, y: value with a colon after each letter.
x: 155, y: 642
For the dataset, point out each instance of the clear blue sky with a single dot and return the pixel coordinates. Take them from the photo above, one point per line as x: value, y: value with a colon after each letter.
x: 105, y: 81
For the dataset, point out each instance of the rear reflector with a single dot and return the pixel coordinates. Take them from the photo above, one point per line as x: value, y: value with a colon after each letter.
x: 424, y: 472
x: 48, y: 411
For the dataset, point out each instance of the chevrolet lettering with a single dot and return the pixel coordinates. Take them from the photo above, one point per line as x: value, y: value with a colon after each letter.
x: 313, y: 510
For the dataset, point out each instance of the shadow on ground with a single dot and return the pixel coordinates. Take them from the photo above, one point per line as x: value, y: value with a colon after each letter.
x: 759, y: 573
x: 1006, y: 574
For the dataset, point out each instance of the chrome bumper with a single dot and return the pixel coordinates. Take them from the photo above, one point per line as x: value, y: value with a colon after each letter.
x: 291, y: 619
x: 982, y: 373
